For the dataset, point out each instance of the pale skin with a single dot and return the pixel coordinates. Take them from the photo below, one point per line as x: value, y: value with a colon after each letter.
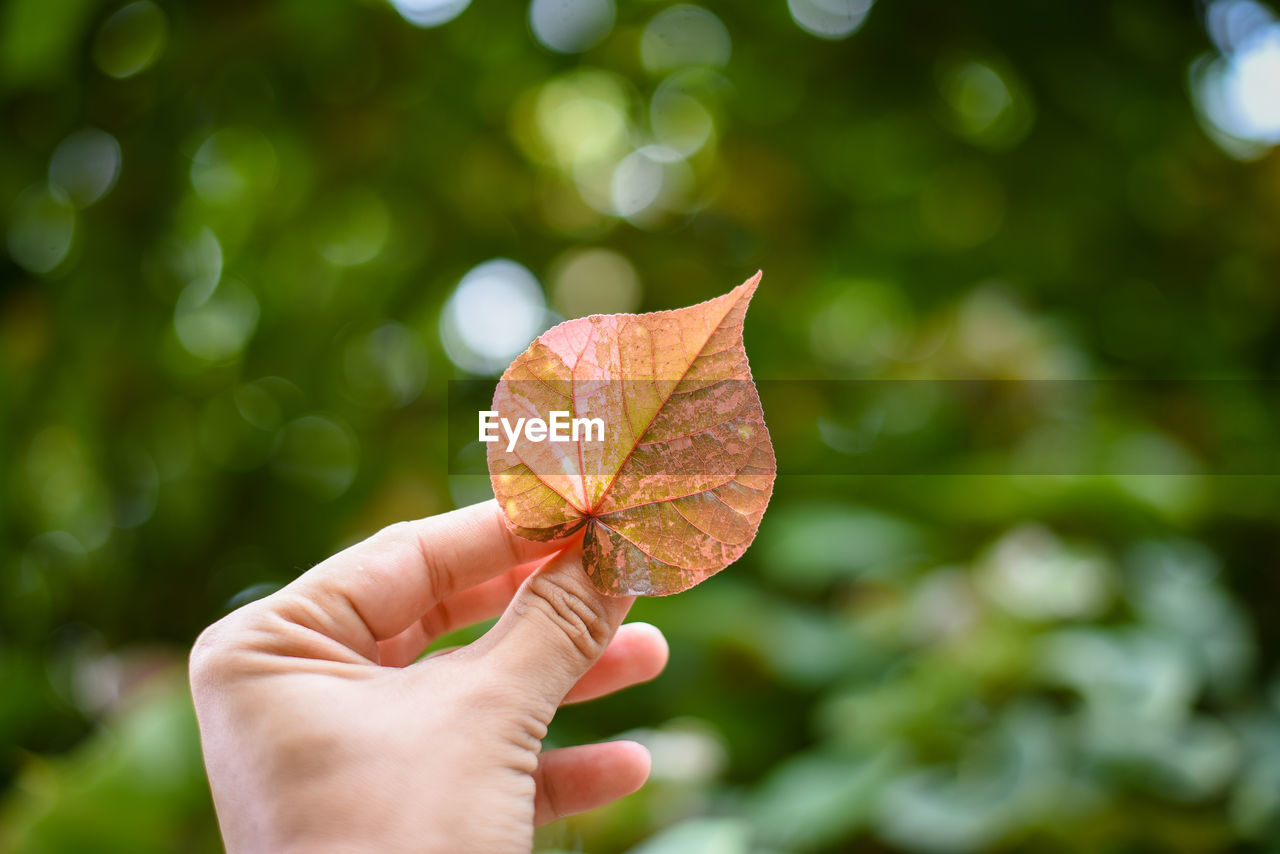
x: 323, y: 731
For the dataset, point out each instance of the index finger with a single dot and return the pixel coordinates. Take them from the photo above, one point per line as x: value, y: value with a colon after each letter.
x: 377, y: 588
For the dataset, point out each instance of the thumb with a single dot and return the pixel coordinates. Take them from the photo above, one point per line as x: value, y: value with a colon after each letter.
x: 555, y: 628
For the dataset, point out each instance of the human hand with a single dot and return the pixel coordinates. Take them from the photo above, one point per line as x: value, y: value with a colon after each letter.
x: 322, y: 733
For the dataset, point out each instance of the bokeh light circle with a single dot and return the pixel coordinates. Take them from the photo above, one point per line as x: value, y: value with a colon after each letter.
x: 215, y: 326
x: 234, y: 164
x: 986, y: 102
x: 571, y: 26
x: 42, y: 226
x: 829, y: 19
x: 388, y: 366
x: 430, y: 13
x: 131, y: 40
x: 353, y: 227
x: 683, y: 36
x: 1233, y: 23
x: 493, y: 314
x: 1238, y: 92
x: 648, y: 184
x: 581, y: 117
x: 85, y: 166
x: 637, y: 182
x: 862, y: 326
x: 1245, y: 102
x: 319, y: 455
x: 680, y: 121
x: 190, y: 255
x: 594, y: 281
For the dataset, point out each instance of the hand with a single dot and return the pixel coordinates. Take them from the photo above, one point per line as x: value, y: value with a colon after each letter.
x: 322, y: 733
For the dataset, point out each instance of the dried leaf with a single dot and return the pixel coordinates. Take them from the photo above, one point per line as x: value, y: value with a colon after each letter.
x: 674, y: 490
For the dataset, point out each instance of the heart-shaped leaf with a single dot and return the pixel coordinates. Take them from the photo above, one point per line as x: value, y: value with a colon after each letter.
x: 672, y: 489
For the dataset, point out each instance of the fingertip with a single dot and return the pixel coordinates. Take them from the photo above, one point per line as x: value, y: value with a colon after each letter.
x: 639, y: 762
x: 648, y: 641
x: 538, y: 540
x: 639, y: 751
x: 575, y: 779
x: 651, y: 634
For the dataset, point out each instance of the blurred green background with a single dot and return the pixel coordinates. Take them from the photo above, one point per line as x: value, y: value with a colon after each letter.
x: 248, y: 244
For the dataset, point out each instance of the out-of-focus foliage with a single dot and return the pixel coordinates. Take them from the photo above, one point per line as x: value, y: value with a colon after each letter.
x: 246, y: 245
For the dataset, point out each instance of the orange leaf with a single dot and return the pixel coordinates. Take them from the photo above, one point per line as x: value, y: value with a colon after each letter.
x: 674, y: 489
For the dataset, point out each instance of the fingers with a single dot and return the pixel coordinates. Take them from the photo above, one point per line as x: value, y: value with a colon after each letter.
x: 575, y: 779
x: 637, y: 654
x: 482, y: 602
x: 557, y: 626
x: 377, y: 588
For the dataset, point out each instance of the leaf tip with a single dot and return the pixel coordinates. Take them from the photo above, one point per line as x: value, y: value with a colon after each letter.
x: 747, y: 289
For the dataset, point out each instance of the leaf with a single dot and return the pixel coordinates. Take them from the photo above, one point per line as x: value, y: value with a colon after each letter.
x: 674, y: 490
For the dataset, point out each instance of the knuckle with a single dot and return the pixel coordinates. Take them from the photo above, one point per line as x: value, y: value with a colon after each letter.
x: 396, y: 541
x: 402, y: 544
x: 209, y: 654
x: 582, y: 618
x: 395, y: 533
x: 524, y: 734
x: 217, y: 654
